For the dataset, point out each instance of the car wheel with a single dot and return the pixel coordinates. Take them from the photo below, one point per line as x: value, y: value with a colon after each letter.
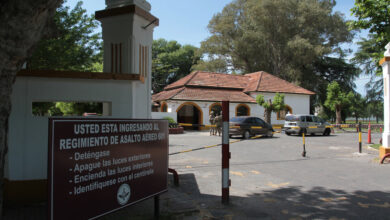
x: 270, y: 134
x: 246, y: 135
x: 288, y: 134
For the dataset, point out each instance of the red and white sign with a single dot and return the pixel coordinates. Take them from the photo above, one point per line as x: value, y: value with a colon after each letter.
x: 97, y: 166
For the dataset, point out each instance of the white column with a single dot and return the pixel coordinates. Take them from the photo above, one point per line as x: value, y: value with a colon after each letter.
x: 386, y: 98
x: 127, y: 28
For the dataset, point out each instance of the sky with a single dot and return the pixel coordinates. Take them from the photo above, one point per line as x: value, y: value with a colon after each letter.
x: 185, y: 21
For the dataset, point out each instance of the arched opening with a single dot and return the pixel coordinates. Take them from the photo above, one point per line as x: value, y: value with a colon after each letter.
x: 281, y: 115
x: 216, y: 108
x: 190, y: 113
x: 243, y: 110
x: 164, y: 107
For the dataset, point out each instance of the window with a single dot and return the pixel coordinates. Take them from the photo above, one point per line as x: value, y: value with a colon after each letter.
x: 259, y: 122
x: 309, y: 119
x: 242, y: 110
x: 71, y: 108
x: 164, y: 107
x: 292, y: 118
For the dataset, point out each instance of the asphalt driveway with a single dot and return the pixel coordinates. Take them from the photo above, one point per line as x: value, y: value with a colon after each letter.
x: 270, y: 178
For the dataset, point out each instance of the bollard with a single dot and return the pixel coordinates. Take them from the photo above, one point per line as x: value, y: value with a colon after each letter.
x: 304, y: 148
x: 369, y: 133
x: 360, y: 137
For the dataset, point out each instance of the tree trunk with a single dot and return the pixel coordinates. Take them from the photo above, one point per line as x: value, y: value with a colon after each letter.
x: 267, y: 115
x: 22, y: 24
x: 356, y: 119
x: 338, y: 115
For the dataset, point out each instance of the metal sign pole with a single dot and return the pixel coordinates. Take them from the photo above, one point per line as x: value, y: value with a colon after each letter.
x: 156, y: 207
x: 225, y: 152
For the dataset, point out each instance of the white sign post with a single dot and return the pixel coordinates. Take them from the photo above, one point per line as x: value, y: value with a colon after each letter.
x: 385, y: 63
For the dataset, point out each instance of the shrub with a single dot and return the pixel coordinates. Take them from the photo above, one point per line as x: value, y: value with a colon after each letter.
x: 171, y: 121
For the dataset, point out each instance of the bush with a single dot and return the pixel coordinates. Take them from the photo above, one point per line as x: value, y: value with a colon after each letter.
x: 171, y: 121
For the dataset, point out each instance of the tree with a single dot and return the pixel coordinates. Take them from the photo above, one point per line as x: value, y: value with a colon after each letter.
x: 74, y: 108
x: 357, y: 107
x: 171, y: 61
x: 271, y: 106
x: 375, y: 108
x: 283, y: 37
x: 22, y: 25
x: 212, y: 64
x: 330, y: 69
x: 337, y: 99
x: 372, y: 15
x: 73, y: 45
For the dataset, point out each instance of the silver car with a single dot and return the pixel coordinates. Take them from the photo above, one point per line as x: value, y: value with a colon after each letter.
x: 307, y: 124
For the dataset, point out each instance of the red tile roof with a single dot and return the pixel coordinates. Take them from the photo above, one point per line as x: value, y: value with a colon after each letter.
x: 164, y: 95
x: 208, y: 79
x: 269, y: 83
x: 203, y: 94
x: 207, y: 86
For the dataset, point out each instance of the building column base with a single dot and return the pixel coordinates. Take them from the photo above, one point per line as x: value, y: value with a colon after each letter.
x: 383, y: 151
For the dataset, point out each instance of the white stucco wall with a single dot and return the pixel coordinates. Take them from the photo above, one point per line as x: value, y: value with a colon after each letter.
x: 161, y: 115
x: 127, y: 30
x: 28, y: 134
x: 300, y: 104
x: 205, y: 107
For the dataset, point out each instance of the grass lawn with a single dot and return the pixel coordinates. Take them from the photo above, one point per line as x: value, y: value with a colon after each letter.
x: 376, y: 146
x: 364, y: 122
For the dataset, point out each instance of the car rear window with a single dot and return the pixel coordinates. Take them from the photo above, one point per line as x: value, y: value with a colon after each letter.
x: 309, y: 119
x: 237, y: 119
x: 292, y: 118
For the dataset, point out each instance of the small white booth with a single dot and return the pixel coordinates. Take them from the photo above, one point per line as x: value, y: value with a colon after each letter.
x: 123, y: 89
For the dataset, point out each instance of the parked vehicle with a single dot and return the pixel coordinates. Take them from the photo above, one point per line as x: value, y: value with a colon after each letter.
x: 307, y: 124
x: 247, y: 126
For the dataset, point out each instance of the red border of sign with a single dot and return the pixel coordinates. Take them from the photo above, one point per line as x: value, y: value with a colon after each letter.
x: 50, y: 160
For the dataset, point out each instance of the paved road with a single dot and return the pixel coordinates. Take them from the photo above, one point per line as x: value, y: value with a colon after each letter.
x: 271, y: 180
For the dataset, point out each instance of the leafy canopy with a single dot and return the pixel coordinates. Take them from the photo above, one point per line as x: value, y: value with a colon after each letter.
x: 171, y: 61
x: 336, y: 97
x: 276, y: 105
x: 271, y: 106
x: 296, y: 40
x: 283, y: 37
x: 358, y: 105
x: 372, y: 15
x: 72, y: 45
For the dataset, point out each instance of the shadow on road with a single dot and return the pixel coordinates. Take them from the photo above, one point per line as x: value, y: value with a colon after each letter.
x: 292, y: 203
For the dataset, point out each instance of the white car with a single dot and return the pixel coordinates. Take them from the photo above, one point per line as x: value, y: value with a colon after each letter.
x: 307, y: 124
